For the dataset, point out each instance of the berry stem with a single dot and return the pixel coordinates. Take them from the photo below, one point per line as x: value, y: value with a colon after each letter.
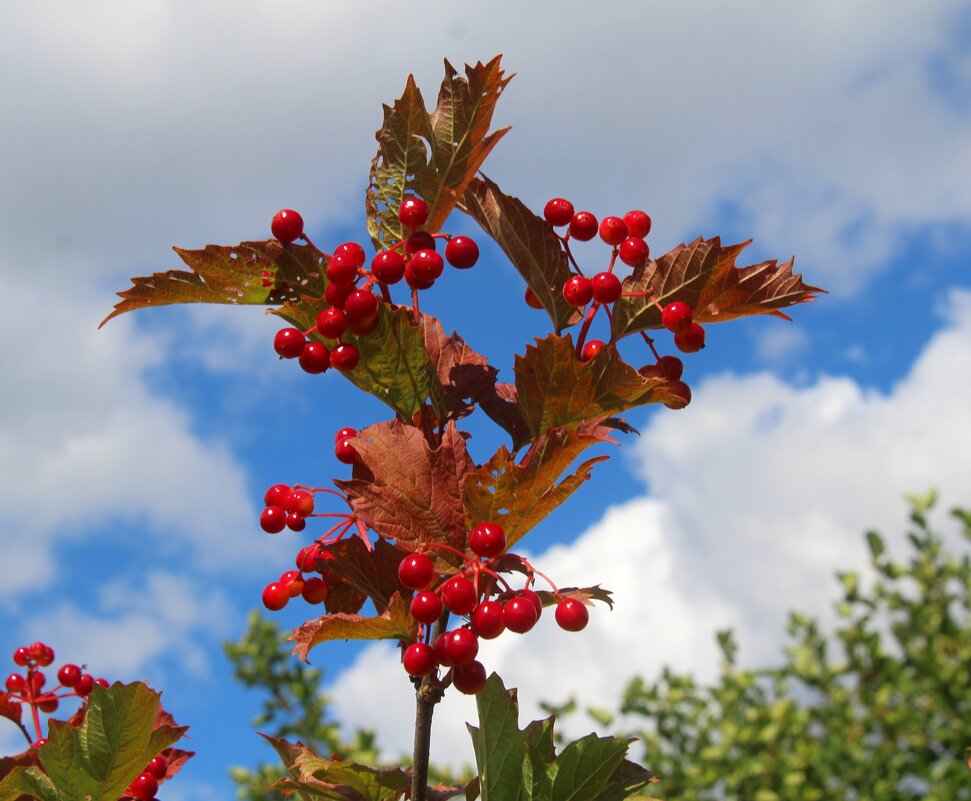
x: 650, y: 344
x: 569, y: 253
x: 386, y: 293
x: 415, y: 311
x: 594, y: 308
x: 613, y: 260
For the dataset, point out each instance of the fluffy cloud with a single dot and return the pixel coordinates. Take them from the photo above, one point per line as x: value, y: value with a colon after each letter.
x: 757, y: 494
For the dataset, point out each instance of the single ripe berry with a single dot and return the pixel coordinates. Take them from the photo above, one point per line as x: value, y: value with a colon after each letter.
x: 364, y: 327
x: 287, y: 225
x: 571, y: 615
x: 352, y: 251
x: 461, y: 646
x: 487, y: 620
x: 289, y: 343
x: 15, y: 683
x: 462, y: 252
x: 633, y: 251
x: 583, y: 226
x: 144, y: 787
x: 519, y: 614
x: 361, y: 306
x: 690, y: 339
x: 606, y: 287
x: 419, y: 659
x: 415, y: 571
x: 277, y: 495
x: 158, y: 767
x: 426, y: 265
x: 613, y: 230
x: 671, y: 366
x: 676, y: 316
x: 37, y: 681
x: 577, y: 291
x: 307, y: 557
x: 388, y: 266
x: 69, y: 675
x: 638, y: 223
x: 344, y: 357
x: 487, y: 540
x: 681, y: 393
x: 47, y: 704
x: 559, y: 211
x: 293, y: 581
x: 342, y: 269
x: 102, y: 682
x: 345, y: 451
x: 439, y: 648
x: 591, y: 349
x: 21, y: 657
x: 345, y: 432
x: 414, y: 281
x: 534, y: 598
x: 426, y: 607
x: 315, y: 358
x: 85, y: 685
x: 276, y: 596
x: 531, y: 300
x: 331, y: 322
x: 413, y: 212
x: 335, y: 294
x: 470, y: 678
x: 42, y: 654
x: 273, y: 519
x: 296, y: 522
x: 314, y: 590
x: 459, y: 595
x: 39, y: 743
x: 420, y: 240
x: 301, y: 502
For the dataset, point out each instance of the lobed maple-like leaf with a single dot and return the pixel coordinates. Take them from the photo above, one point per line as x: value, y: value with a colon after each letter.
x: 406, y: 490
x: 528, y: 241
x: 254, y: 273
x: 518, y: 496
x: 556, y: 389
x: 434, y: 155
x: 394, y: 623
x: 703, y: 275
x: 373, y: 573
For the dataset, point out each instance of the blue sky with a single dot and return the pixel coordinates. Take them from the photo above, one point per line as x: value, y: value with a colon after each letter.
x: 135, y: 457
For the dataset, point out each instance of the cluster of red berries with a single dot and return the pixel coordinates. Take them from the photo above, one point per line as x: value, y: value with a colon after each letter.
x: 354, y: 308
x: 479, y: 594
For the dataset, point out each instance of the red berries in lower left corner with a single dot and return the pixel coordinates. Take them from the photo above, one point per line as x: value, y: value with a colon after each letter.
x: 287, y: 226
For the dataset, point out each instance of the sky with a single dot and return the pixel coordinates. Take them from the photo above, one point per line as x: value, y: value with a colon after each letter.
x: 135, y: 457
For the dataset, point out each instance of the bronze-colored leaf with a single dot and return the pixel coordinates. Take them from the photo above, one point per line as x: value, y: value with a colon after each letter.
x: 586, y: 595
x: 528, y: 241
x: 371, y: 572
x: 394, y: 623
x: 703, y: 275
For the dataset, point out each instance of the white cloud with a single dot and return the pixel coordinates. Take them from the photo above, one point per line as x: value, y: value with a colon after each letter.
x: 758, y: 493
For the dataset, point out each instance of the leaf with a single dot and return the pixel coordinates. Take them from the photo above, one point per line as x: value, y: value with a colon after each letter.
x: 435, y: 155
x: 395, y: 623
x: 529, y: 242
x: 586, y: 595
x: 703, y: 275
x: 518, y: 496
x: 583, y: 770
x: 261, y: 273
x: 407, y: 491
x: 23, y: 783
x: 10, y: 708
x: 556, y: 389
x: 371, y: 572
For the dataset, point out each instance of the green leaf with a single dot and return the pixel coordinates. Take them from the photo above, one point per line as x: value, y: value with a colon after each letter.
x: 31, y: 782
x: 529, y: 242
x: 556, y: 389
x: 584, y: 768
x: 537, y: 783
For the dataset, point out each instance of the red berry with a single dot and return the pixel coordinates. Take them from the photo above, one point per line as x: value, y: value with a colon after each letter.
x: 487, y: 540
x: 300, y: 502
x: 42, y: 654
x: 85, y: 685
x: 591, y: 349
x: 342, y: 269
x: 158, y: 767
x: 606, y: 287
x: 287, y: 225
x: 331, y: 322
x: 671, y: 366
x: 420, y: 240
x: 487, y: 620
x: 519, y: 614
x: 682, y: 393
x: 633, y: 251
x: 413, y: 212
x: 69, y: 675
x: 144, y: 787
x: 388, y: 266
x: 414, y: 281
x: 364, y: 327
x: 558, y: 211
x: 289, y: 343
x: 352, y: 251
x: 15, y: 683
x: 690, y: 339
x: 315, y: 358
x: 534, y: 598
x: 415, y: 571
x: 361, y: 306
x: 276, y: 596
x: 101, y: 682
x: 676, y: 316
x: 36, y: 682
x: 345, y: 451
x: 531, y: 300
x: 439, y: 647
x: 470, y: 678
x: 344, y: 357
x: 39, y: 743
x: 426, y: 265
x: 306, y: 560
x: 462, y: 252
x: 273, y: 519
x: 613, y: 230
x: 426, y: 607
x: 21, y: 657
x: 638, y: 223
x: 419, y: 659
x: 583, y: 226
x: 47, y: 704
x: 314, y: 590
x: 296, y: 522
x: 571, y: 615
x: 577, y: 291
x: 458, y: 595
x: 461, y: 646
x: 293, y: 581
x: 277, y: 495
x: 335, y: 294
x: 345, y: 432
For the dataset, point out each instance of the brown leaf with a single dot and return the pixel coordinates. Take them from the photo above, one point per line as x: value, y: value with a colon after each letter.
x: 342, y: 596
x: 10, y: 708
x: 260, y: 273
x: 586, y: 595
x: 394, y: 623
x: 371, y: 572
x: 407, y: 491
x: 703, y: 275
x: 528, y: 241
x: 557, y: 389
x: 518, y: 496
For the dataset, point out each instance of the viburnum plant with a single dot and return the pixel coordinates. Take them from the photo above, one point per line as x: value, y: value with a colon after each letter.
x: 421, y: 531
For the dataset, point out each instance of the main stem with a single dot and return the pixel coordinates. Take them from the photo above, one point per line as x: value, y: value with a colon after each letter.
x: 428, y: 694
